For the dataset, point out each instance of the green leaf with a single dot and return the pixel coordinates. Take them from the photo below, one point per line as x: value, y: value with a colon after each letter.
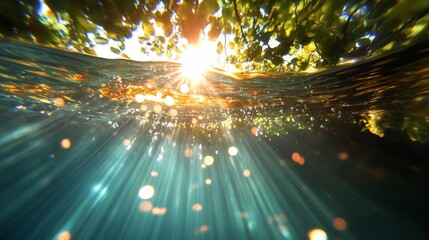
x: 219, y: 48
x: 227, y: 14
x: 209, y: 7
x: 254, y: 51
x: 215, y: 29
x: 231, y: 45
x: 168, y: 29
x: 121, y: 45
x: 125, y: 56
x: 101, y: 40
x: 115, y: 50
x: 141, y: 39
x: 88, y: 26
x: 277, y: 60
x: 161, y: 39
x: 151, y: 4
x: 148, y: 30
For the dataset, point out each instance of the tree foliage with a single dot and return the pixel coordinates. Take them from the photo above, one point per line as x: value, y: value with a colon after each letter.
x: 266, y: 35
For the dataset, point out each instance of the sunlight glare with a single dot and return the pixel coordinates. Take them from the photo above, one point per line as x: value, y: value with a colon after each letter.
x: 196, y: 60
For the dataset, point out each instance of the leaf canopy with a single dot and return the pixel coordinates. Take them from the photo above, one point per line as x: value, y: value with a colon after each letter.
x: 260, y: 35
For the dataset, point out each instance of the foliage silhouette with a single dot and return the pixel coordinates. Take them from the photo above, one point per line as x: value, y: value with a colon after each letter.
x: 265, y: 35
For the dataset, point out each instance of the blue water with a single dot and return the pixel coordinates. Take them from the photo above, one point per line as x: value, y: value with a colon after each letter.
x: 251, y: 156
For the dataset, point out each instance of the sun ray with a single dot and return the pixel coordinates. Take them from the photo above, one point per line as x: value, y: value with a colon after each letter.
x: 196, y: 60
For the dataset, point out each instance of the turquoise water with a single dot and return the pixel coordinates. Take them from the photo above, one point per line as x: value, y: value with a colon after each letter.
x: 114, y: 149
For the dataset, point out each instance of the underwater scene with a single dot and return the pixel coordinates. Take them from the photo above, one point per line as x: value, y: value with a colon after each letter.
x: 118, y: 149
x: 97, y: 148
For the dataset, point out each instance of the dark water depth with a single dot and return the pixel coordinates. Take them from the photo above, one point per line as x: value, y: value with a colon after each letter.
x: 115, y: 149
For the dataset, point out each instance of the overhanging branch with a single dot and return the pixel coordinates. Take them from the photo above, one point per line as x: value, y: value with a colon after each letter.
x: 239, y: 20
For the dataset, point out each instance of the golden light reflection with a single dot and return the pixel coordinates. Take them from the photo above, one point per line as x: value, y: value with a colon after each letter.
x: 232, y: 151
x: 157, y: 108
x: 254, y: 131
x: 126, y: 142
x: 343, y: 156
x: 208, y: 160
x: 317, y: 234
x: 139, y: 98
x: 372, y: 122
x: 40, y: 92
x: 169, y: 100
x: 188, y: 153
x: 146, y: 192
x: 159, y: 211
x: 197, y: 207
x: 146, y: 206
x: 340, y: 223
x: 59, y: 102
x: 129, y: 93
x: 66, y: 235
x: 296, y: 157
x: 199, y: 103
x: 172, y: 112
x: 204, y: 228
x: 65, y: 143
x: 184, y: 88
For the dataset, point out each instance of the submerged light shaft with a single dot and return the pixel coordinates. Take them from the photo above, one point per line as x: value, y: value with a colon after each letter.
x: 145, y: 183
x: 110, y: 180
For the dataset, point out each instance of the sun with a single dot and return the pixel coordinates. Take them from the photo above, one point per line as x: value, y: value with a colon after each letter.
x: 196, y: 60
